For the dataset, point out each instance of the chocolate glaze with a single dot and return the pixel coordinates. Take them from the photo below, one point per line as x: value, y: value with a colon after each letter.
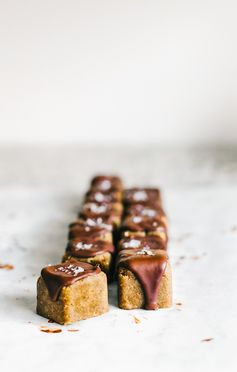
x: 58, y: 276
x: 141, y: 195
x: 143, y: 223
x: 103, y: 197
x: 84, y: 231
x: 101, y: 222
x: 105, y: 211
x: 88, y: 247
x: 106, y: 183
x: 138, y: 209
x: 148, y: 266
x: 100, y: 209
x: 152, y: 242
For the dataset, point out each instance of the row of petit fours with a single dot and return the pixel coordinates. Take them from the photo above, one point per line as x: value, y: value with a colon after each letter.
x: 142, y: 264
x: 108, y: 213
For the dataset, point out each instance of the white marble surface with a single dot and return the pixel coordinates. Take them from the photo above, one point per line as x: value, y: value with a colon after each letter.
x: 40, y: 193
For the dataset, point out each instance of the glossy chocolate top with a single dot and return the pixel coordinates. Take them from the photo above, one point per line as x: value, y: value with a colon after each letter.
x: 141, y: 195
x: 148, y: 265
x: 88, y: 247
x: 106, y: 183
x: 85, y: 231
x: 103, y: 197
x: 151, y: 242
x: 143, y: 223
x: 145, y: 210
x: 91, y: 210
x: 100, y: 222
x: 58, y: 276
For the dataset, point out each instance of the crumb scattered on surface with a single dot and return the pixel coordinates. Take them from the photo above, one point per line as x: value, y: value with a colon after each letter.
x: 178, y: 304
x: 50, y: 330
x: 183, y: 237
x: 207, y: 339
x: 195, y: 257
x: 73, y: 330
x: 136, y: 320
x: 233, y: 228
x: 50, y: 321
x: 6, y: 266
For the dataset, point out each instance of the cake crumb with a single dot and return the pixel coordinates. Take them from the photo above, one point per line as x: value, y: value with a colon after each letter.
x: 50, y: 321
x: 207, y: 339
x: 136, y: 320
x: 50, y: 330
x: 183, y: 237
x: 195, y: 258
x: 6, y: 266
x: 73, y: 330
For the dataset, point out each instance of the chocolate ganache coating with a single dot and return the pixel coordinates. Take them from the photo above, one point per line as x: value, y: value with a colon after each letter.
x: 145, y: 210
x: 110, y: 215
x: 58, y: 276
x: 85, y: 231
x: 148, y: 265
x: 149, y: 241
x: 106, y: 183
x: 102, y: 197
x: 141, y: 195
x: 106, y: 223
x: 88, y: 247
x: 143, y: 223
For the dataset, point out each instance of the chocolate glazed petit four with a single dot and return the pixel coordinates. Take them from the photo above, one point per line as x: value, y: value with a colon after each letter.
x: 71, y: 291
x: 142, y: 195
x: 140, y: 225
x: 144, y: 279
x: 96, y: 252
x: 106, y: 183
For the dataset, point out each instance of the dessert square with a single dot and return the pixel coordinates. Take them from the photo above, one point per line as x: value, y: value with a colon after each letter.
x: 150, y: 226
x: 71, y: 291
x: 145, y: 210
x: 110, y: 212
x: 95, y: 252
x: 144, y: 279
x: 142, y: 195
x: 106, y: 183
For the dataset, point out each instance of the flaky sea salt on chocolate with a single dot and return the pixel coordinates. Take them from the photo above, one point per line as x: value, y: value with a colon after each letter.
x: 145, y: 251
x: 70, y: 269
x: 133, y: 243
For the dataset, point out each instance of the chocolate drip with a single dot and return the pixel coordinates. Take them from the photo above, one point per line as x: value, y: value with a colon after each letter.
x: 58, y: 276
x: 88, y: 247
x: 148, y: 266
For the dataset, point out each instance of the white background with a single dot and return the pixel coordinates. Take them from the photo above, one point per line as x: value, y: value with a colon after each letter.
x: 122, y: 71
